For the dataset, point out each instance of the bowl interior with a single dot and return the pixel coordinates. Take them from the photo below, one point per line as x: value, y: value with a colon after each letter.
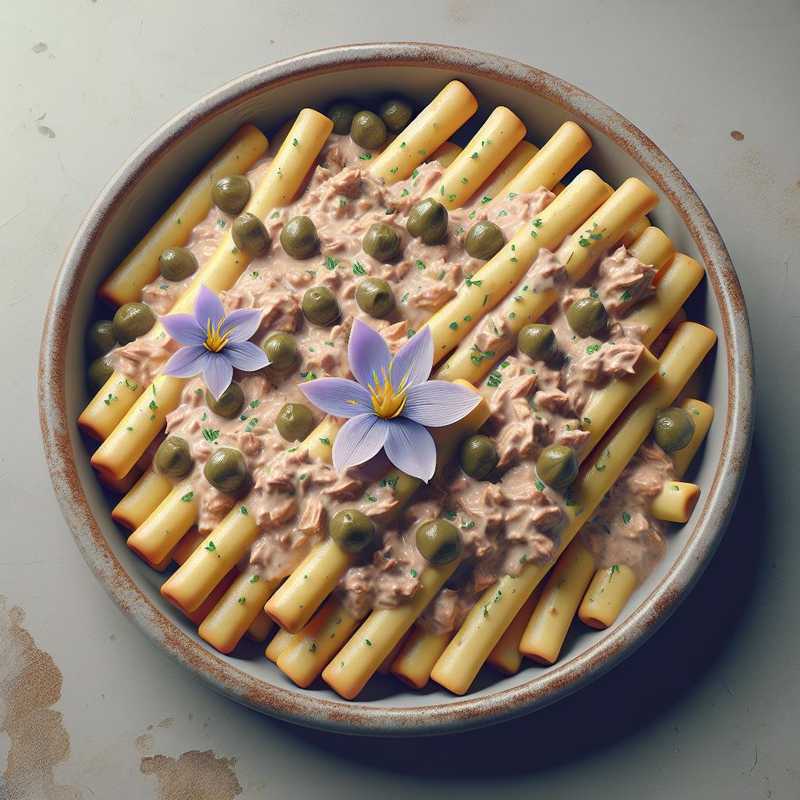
x: 194, y: 137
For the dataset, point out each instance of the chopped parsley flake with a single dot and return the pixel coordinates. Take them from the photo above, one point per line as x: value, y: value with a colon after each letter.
x: 365, y: 156
x: 539, y: 486
x: 592, y: 348
x: 243, y: 510
x: 325, y: 440
x: 626, y: 295
x: 468, y: 280
x: 187, y: 497
x: 477, y: 355
x: 494, y: 380
x: 359, y: 268
x: 254, y: 579
x: 453, y: 326
x: 626, y: 517
x: 210, y: 435
x: 211, y: 547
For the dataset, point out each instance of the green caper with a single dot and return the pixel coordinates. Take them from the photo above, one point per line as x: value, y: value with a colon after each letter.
x: 250, y: 235
x: 374, y: 297
x: 231, y: 193
x: 173, y: 457
x: 368, y: 130
x: 557, y: 466
x: 226, y: 470
x: 428, y: 221
x: 587, y: 317
x: 396, y: 113
x: 100, y: 370
x: 342, y: 113
x: 282, y: 351
x: 294, y: 422
x: 382, y: 242
x: 673, y: 429
x: 439, y: 541
x: 478, y: 456
x: 100, y: 337
x: 299, y: 237
x: 177, y: 263
x: 484, y: 240
x: 352, y: 530
x: 320, y: 306
x: 229, y: 403
x: 537, y: 342
x: 131, y: 321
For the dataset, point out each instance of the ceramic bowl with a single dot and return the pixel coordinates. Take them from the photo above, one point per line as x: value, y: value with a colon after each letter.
x: 154, y: 175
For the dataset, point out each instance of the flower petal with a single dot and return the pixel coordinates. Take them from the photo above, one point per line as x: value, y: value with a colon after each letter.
x: 359, y: 440
x: 207, y: 307
x: 217, y: 373
x: 241, y: 324
x: 437, y: 403
x: 414, y: 360
x: 186, y: 362
x: 183, y: 328
x: 367, y: 352
x: 338, y: 396
x: 246, y: 356
x: 411, y: 448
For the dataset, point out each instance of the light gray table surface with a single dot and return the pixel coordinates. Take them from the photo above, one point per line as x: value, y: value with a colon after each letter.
x: 708, y: 708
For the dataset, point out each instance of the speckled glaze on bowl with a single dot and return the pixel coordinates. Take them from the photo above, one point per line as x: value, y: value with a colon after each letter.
x: 145, y: 185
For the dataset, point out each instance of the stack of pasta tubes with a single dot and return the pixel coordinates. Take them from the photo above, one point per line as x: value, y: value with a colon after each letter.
x: 316, y: 634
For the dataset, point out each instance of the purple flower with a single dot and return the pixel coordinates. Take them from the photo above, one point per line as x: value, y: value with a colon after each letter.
x: 213, y: 343
x: 391, y: 403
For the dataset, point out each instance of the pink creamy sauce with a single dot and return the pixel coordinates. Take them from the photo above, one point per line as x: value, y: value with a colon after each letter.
x: 504, y: 523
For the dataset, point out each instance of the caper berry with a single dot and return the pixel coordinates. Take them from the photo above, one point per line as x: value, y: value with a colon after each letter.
x: 368, y: 130
x: 382, y: 242
x: 673, y: 429
x: 342, y: 113
x: 231, y: 193
x: 294, y: 422
x: 229, y: 403
x: 226, y: 470
x: 282, y: 352
x: 374, y: 297
x: 587, y: 317
x: 250, y: 235
x: 478, y: 456
x: 396, y: 113
x: 428, y: 221
x: 352, y: 530
x: 177, y: 263
x: 131, y: 321
x: 320, y: 306
x: 173, y: 457
x: 557, y: 466
x: 484, y: 240
x: 439, y: 541
x: 100, y: 370
x: 100, y: 338
x: 299, y: 238
x: 537, y: 342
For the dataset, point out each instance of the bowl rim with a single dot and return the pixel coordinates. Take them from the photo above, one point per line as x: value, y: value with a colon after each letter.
x: 341, y: 716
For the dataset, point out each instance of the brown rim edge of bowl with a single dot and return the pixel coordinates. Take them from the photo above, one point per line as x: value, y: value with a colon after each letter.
x: 461, y: 713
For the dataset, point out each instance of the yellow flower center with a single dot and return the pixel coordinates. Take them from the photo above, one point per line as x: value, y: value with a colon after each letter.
x: 387, y: 401
x: 215, y: 338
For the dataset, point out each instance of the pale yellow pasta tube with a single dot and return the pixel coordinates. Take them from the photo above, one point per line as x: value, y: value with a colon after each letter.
x: 433, y: 126
x: 607, y: 594
x: 417, y: 656
x: 509, y: 266
x: 506, y: 655
x: 466, y: 653
x: 508, y: 169
x: 557, y: 157
x: 142, y: 499
x: 123, y: 485
x: 236, y: 611
x: 446, y: 154
x: 495, y: 139
x: 198, y: 614
x: 131, y: 421
x: 482, y: 291
x: 306, y: 654
x: 260, y: 628
x: 357, y: 661
x: 222, y: 549
x: 652, y: 246
x: 140, y: 267
x: 156, y: 537
x: 635, y: 231
x: 547, y: 627
x: 293, y: 605
x: 675, y: 502
x: 702, y: 415
x: 386, y: 665
x: 186, y: 546
x: 280, y: 641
